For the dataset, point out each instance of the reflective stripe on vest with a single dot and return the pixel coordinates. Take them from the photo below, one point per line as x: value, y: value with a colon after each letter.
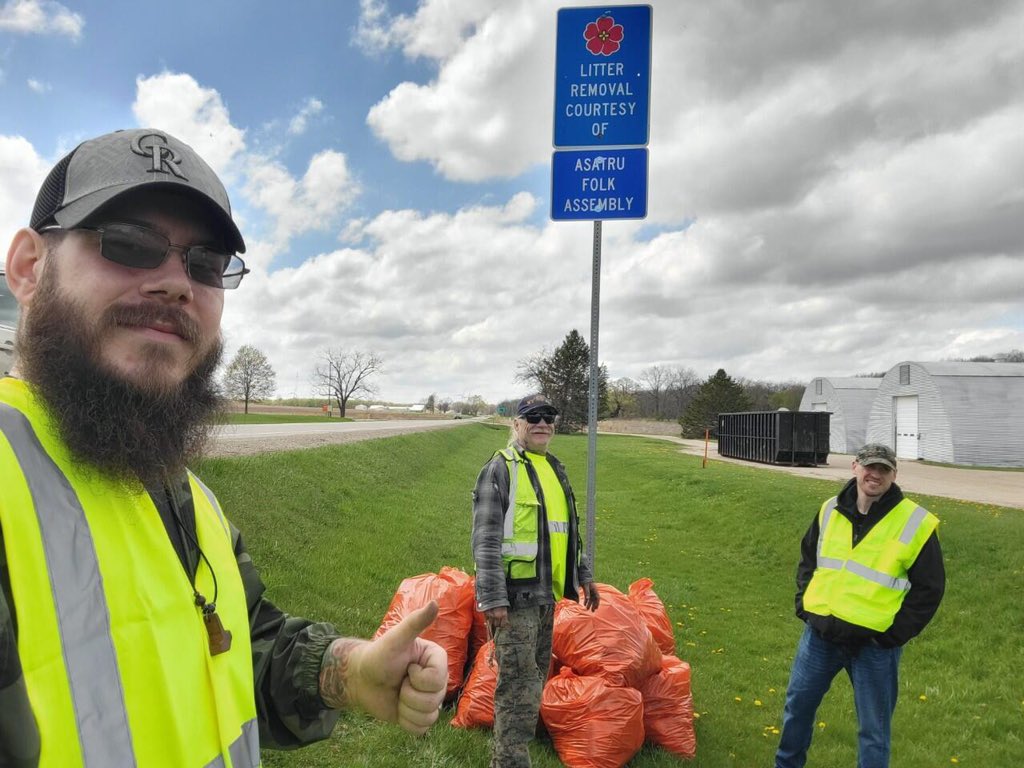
x: 865, y: 585
x: 115, y: 657
x: 245, y: 751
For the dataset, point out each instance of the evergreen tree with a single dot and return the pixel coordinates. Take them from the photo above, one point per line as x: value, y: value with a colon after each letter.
x: 719, y: 394
x: 564, y: 378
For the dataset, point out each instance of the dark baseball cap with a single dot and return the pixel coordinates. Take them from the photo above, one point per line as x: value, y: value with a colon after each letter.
x: 535, y: 403
x: 876, y: 453
x: 115, y: 165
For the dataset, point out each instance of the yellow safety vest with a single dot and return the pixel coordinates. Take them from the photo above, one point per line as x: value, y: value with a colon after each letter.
x: 865, y: 585
x: 114, y: 650
x: 521, y: 531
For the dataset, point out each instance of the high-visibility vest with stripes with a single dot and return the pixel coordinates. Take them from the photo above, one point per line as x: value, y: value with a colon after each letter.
x: 520, y: 542
x: 865, y: 585
x: 114, y: 650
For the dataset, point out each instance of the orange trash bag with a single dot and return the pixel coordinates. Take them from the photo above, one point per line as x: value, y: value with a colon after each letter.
x: 653, y: 612
x: 476, y: 702
x: 450, y: 629
x: 668, y: 708
x: 592, y: 724
x: 612, y: 643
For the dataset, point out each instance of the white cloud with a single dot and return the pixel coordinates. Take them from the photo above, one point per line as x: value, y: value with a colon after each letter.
x: 39, y: 86
x: 299, y: 123
x: 40, y: 17
x: 313, y: 202
x: 22, y: 171
x: 176, y: 103
x: 479, y: 118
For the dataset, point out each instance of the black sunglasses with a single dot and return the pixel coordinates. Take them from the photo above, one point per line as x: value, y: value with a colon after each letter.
x: 131, y: 245
x: 537, y: 418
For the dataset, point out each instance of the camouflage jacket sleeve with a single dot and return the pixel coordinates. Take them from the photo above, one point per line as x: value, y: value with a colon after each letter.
x: 490, y: 499
x: 286, y: 656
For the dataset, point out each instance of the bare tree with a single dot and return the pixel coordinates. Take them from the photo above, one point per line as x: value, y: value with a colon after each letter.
x: 680, y: 389
x: 342, y: 374
x: 656, y: 378
x: 249, y: 376
x: 430, y: 404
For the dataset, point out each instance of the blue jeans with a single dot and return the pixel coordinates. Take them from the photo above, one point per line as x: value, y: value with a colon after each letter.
x: 874, y: 673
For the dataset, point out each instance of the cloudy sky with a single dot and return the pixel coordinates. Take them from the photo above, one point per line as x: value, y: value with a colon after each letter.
x: 834, y: 186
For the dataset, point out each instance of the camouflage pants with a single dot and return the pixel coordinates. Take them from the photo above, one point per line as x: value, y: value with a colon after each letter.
x: 523, y: 651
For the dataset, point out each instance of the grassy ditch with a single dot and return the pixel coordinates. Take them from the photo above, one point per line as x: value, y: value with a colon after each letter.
x: 334, y: 530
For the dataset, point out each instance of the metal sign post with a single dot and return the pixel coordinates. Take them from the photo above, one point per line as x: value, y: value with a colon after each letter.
x: 595, y: 321
x: 602, y: 102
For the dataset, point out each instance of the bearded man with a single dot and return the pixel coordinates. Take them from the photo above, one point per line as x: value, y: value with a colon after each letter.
x: 133, y: 626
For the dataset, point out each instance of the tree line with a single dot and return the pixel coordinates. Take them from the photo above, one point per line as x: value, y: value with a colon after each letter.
x: 663, y: 392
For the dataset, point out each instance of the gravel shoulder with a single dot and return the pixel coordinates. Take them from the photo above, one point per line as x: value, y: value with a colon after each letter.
x: 985, y: 486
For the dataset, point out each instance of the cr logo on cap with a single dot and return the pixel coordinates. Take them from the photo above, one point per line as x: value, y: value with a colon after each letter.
x: 165, y: 160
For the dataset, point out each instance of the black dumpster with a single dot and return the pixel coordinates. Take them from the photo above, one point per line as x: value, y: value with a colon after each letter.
x: 775, y: 437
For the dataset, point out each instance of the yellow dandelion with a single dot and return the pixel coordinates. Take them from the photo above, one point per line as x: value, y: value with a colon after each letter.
x: 757, y: 702
x: 922, y: 697
x: 771, y: 690
x: 739, y: 698
x: 953, y: 760
x: 821, y: 724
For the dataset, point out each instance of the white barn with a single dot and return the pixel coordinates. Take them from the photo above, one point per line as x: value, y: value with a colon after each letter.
x: 849, y: 401
x: 956, y: 413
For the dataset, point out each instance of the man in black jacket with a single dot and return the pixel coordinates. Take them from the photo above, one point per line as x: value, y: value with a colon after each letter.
x: 870, y: 578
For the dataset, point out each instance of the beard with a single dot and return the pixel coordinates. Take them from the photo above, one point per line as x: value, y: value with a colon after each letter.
x: 125, y: 431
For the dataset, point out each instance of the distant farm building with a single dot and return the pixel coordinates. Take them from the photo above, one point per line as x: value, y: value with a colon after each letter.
x: 849, y: 401
x: 955, y: 413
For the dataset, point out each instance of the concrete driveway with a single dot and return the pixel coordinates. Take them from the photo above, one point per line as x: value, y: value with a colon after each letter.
x: 1005, y: 489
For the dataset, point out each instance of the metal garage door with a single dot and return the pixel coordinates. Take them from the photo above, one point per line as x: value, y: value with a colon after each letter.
x: 907, y: 445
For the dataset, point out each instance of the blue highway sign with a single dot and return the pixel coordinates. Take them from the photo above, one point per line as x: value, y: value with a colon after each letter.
x: 603, y: 76
x: 599, y: 184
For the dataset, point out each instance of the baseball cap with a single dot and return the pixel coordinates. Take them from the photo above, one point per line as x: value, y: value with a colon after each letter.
x: 876, y: 453
x: 104, y: 169
x: 534, y: 403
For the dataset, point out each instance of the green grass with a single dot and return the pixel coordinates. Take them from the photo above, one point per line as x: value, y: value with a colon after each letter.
x: 334, y: 530
x: 277, y: 418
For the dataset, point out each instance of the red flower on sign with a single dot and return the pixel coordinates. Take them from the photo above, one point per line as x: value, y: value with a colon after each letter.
x: 603, y: 36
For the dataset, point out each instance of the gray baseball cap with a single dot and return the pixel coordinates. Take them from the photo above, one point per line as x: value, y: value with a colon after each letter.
x: 104, y: 169
x: 876, y: 453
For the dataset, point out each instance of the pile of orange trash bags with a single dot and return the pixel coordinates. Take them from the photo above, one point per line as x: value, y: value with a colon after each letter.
x: 614, y: 680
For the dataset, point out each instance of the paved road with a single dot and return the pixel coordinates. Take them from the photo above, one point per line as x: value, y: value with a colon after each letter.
x: 272, y: 431
x: 1005, y: 489
x: 246, y: 439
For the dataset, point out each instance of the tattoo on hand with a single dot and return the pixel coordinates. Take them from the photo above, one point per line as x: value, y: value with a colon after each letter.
x: 334, y: 672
